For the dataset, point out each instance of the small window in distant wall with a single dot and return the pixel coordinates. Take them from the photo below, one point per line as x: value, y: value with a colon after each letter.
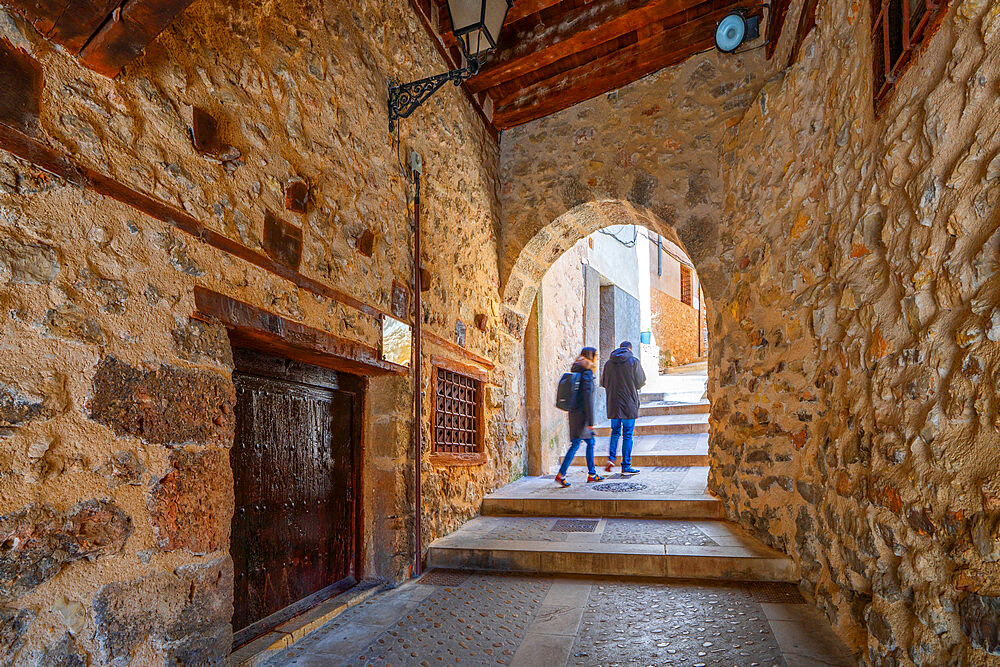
x: 898, y: 28
x: 457, y: 428
x: 686, y: 291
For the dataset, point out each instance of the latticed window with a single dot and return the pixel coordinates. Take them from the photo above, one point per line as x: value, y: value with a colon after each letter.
x: 898, y: 28
x: 457, y: 412
x: 686, y: 289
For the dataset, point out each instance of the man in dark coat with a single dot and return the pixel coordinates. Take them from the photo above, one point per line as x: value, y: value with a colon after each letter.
x: 623, y: 377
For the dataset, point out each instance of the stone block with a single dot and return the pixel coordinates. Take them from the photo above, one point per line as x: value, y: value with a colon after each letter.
x: 199, y: 341
x: 65, y: 653
x: 122, y: 468
x: 27, y: 263
x: 38, y: 541
x: 192, y: 505
x: 170, y: 406
x: 980, y: 615
x: 13, y: 628
x: 70, y: 321
x: 17, y: 409
x: 185, y: 614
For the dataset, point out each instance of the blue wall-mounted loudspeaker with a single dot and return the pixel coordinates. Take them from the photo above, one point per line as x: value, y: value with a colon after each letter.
x: 734, y: 30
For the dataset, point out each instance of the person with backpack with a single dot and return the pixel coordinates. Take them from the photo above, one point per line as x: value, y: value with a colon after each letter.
x: 623, y: 377
x: 576, y: 395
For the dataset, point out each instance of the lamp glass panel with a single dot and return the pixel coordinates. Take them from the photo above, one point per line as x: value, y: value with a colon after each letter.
x: 496, y: 12
x: 464, y: 13
x: 477, y: 41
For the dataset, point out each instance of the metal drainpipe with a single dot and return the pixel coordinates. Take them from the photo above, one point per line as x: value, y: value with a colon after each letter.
x: 700, y: 297
x: 417, y: 368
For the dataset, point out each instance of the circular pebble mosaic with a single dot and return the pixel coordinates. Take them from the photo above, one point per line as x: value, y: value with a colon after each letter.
x: 619, y: 487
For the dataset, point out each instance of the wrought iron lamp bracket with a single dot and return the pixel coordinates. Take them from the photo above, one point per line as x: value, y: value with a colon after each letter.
x: 404, y: 98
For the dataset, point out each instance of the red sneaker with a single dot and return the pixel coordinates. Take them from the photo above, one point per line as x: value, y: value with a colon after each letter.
x: 610, y: 466
x: 561, y: 482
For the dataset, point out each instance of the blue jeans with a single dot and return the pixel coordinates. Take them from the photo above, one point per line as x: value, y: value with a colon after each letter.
x: 574, y: 445
x: 624, y: 428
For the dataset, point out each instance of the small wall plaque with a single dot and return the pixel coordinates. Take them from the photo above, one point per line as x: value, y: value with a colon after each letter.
x: 296, y: 195
x: 282, y: 241
x: 400, y: 300
x: 366, y: 243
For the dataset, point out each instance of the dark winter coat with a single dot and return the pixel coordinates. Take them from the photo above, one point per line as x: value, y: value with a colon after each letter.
x: 623, y: 377
x: 581, y: 418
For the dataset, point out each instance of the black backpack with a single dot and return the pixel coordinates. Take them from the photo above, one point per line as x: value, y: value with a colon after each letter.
x: 567, y: 395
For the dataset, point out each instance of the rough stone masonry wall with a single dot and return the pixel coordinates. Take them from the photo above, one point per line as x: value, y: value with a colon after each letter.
x: 116, y: 407
x: 675, y: 326
x: 856, y: 350
x: 653, y: 144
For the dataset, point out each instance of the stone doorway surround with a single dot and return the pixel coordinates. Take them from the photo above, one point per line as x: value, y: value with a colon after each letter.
x: 253, y: 328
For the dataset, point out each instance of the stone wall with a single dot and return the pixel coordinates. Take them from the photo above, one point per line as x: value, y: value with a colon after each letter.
x: 675, y: 327
x: 116, y: 406
x: 855, y: 347
x: 562, y: 320
x: 646, y: 154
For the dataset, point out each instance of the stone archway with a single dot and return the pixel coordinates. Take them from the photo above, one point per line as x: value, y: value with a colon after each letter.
x: 524, y: 280
x: 552, y: 240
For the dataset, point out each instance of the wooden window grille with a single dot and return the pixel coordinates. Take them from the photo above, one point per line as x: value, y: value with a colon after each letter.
x: 457, y: 412
x: 686, y: 291
x: 898, y: 28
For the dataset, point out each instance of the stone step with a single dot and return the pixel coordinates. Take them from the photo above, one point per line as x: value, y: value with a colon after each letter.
x: 659, y: 408
x: 652, y: 460
x: 648, y: 397
x: 612, y: 548
x: 668, y: 493
x: 664, y: 425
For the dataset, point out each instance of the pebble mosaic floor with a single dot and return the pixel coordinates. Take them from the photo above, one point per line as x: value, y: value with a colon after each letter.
x: 608, y: 531
x: 457, y: 618
x: 662, y: 481
x: 638, y: 531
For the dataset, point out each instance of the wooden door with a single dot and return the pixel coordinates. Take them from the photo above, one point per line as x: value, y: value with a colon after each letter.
x: 293, y: 531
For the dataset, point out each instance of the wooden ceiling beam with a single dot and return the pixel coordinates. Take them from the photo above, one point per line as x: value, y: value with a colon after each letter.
x: 523, y: 11
x: 123, y: 39
x: 775, y: 22
x: 506, y: 93
x: 523, y: 8
x: 69, y: 23
x: 532, y: 45
x: 612, y: 71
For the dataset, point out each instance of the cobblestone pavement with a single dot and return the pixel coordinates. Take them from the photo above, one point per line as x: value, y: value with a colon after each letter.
x: 461, y: 618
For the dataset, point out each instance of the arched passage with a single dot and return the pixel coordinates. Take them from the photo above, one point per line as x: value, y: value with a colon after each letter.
x: 552, y: 240
x: 523, y: 310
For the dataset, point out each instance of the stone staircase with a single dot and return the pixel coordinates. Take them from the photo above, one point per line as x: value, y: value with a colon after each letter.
x: 662, y: 524
x: 667, y: 433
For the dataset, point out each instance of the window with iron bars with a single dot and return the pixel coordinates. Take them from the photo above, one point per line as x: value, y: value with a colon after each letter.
x: 457, y: 412
x: 898, y: 28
